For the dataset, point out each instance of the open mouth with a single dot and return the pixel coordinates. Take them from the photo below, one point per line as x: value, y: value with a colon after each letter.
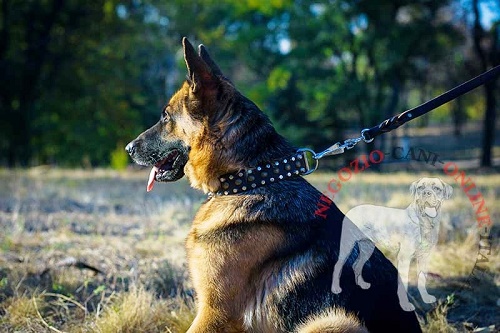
x: 430, y: 210
x: 165, y: 170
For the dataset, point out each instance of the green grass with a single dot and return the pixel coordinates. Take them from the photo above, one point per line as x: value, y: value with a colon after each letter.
x: 91, y: 251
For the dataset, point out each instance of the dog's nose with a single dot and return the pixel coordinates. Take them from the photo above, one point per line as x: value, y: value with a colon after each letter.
x: 130, y: 148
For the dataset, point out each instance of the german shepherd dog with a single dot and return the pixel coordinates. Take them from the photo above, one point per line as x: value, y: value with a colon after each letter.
x: 259, y: 258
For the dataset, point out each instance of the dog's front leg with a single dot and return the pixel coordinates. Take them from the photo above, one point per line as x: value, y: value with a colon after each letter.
x: 422, y: 264
x: 211, y: 321
x: 404, y: 260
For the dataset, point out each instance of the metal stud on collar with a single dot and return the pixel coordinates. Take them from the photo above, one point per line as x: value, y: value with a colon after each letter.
x: 301, y: 163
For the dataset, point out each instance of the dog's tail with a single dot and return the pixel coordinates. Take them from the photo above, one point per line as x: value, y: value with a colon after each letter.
x: 332, y: 321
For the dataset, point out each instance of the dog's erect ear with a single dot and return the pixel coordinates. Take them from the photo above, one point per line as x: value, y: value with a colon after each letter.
x: 199, y: 72
x: 208, y: 60
x: 448, y: 190
x: 413, y: 187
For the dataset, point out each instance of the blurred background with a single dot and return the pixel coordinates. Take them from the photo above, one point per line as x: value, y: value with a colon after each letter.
x: 80, y: 79
x: 85, y: 248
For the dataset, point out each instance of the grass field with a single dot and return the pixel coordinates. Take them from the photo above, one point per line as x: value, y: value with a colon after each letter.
x: 91, y: 251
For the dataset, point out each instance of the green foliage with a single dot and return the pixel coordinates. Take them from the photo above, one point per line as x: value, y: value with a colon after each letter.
x: 278, y: 79
x: 100, y: 289
x: 119, y: 158
x: 4, y: 282
x: 80, y: 76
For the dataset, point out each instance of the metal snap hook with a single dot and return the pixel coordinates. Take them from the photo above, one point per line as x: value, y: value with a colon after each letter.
x: 363, y: 136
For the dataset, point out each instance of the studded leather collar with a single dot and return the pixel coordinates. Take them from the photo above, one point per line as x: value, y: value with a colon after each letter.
x: 272, y: 172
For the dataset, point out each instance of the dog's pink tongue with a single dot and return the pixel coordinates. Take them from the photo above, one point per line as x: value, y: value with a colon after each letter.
x: 151, y: 180
x: 430, y: 211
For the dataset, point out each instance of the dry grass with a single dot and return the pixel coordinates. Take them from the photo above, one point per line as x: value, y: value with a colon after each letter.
x: 23, y: 315
x: 91, y: 251
x: 139, y: 311
x: 436, y: 320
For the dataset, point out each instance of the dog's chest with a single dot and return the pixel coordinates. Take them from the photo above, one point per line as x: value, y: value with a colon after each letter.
x: 204, y: 265
x: 223, y: 261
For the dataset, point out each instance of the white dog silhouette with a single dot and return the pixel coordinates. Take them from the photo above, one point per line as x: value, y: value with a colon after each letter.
x: 413, y: 232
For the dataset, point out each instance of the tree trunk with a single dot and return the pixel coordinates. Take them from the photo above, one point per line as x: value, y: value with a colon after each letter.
x: 38, y: 33
x: 489, y: 125
x: 489, y: 88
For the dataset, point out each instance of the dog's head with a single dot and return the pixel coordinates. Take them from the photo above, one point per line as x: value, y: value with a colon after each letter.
x: 166, y: 145
x: 204, y: 131
x: 429, y: 193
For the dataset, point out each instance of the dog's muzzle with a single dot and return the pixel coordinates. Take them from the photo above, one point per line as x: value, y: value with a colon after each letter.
x: 167, y: 163
x: 429, y: 203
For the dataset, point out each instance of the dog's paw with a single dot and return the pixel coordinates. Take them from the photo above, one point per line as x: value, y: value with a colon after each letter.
x: 428, y: 298
x: 407, y: 306
x: 362, y: 283
x: 336, y: 289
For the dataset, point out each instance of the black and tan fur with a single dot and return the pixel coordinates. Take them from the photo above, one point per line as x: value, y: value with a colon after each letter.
x: 260, y: 261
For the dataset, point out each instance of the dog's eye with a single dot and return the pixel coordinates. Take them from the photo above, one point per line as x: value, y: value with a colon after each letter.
x: 437, y: 189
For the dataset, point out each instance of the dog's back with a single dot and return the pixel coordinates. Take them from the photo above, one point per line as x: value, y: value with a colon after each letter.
x: 385, y: 226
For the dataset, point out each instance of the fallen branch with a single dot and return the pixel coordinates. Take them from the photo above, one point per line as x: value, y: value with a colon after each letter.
x: 72, y: 262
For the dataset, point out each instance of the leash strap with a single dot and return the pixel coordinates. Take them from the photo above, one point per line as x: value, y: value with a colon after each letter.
x: 368, y: 134
x: 398, y: 120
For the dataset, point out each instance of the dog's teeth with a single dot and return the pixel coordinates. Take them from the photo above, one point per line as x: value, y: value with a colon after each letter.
x: 151, y: 180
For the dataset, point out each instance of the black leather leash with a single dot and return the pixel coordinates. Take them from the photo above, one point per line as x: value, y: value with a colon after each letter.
x: 398, y: 120
x: 367, y: 135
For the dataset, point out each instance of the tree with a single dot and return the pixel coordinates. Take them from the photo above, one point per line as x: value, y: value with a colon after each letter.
x: 83, y: 78
x: 80, y: 78
x: 25, y: 36
x: 354, y: 59
x: 487, y: 49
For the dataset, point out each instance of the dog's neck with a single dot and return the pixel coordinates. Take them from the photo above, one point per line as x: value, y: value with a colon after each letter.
x: 244, y: 141
x: 272, y: 172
